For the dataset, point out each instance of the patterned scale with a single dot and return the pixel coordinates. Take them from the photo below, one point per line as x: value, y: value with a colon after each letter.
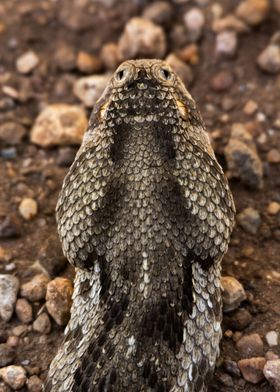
x: 145, y: 215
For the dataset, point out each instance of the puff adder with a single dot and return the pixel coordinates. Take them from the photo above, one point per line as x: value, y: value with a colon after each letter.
x: 145, y: 215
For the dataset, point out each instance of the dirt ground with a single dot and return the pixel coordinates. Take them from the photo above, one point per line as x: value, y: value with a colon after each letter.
x: 34, y: 171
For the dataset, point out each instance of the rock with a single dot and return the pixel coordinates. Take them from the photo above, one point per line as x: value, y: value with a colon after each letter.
x: 27, y: 62
x: 250, y: 107
x: 142, y: 38
x: 9, y: 153
x: 110, y: 56
x: 20, y: 330
x: 66, y: 156
x: 276, y: 4
x: 229, y: 22
x: 273, y: 156
x: 194, y: 22
x: 250, y: 345
x: 3, y: 336
x: 11, y: 132
x: 24, y: 311
x: 36, y: 288
x: 271, y: 372
x: 59, y: 124
x: 269, y: 59
x: 242, y: 158
x: 273, y: 208
x: 51, y: 257
x: 88, y: 63
x: 226, y: 44
x: 7, y: 354
x: 231, y: 368
x: 252, y: 369
x: 4, y: 387
x: 249, y: 219
x: 14, y: 376
x: 90, y: 88
x: 13, y: 341
x: 28, y: 208
x: 182, y: 69
x: 9, y: 227
x: 42, y: 324
x: 159, y: 12
x: 270, y: 355
x: 189, y: 54
x: 272, y: 338
x: 222, y: 81
x: 34, y: 384
x: 9, y: 286
x: 253, y: 12
x: 233, y: 293
x: 58, y: 300
x: 65, y: 58
x: 238, y: 320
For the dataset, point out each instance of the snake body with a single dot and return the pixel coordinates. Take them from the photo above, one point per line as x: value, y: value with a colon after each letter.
x: 145, y: 216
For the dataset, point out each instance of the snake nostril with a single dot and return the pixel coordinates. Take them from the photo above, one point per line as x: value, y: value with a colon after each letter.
x: 142, y: 73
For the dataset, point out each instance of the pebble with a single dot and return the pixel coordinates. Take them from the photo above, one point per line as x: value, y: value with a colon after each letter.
x: 66, y: 156
x: 273, y: 208
x: 11, y: 132
x: 250, y: 345
x: 90, y: 88
x: 9, y: 153
x: 252, y: 369
x: 9, y: 286
x: 238, y: 320
x: 159, y: 12
x: 65, y: 58
x: 269, y: 59
x: 222, y: 81
x: 242, y: 158
x: 231, y: 23
x: 250, y: 107
x: 13, y: 341
x: 59, y: 124
x: 24, y: 310
x: 276, y: 4
x: 272, y: 338
x: 189, y: 54
x: 59, y: 300
x: 20, y: 330
x: 273, y: 156
x: 142, y: 38
x: 27, y: 62
x: 14, y: 376
x: 250, y: 220
x: 226, y: 44
x: 231, y: 368
x: 271, y: 372
x: 3, y: 336
x: 42, y: 324
x: 51, y: 257
x: 253, y: 12
x: 88, y: 63
x: 36, y: 288
x: 28, y: 208
x: 233, y: 293
x: 7, y: 354
x: 9, y: 227
x: 182, y: 69
x: 194, y: 22
x: 110, y: 56
x: 34, y: 384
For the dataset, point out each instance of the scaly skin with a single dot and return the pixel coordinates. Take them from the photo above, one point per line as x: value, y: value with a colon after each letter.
x: 145, y: 215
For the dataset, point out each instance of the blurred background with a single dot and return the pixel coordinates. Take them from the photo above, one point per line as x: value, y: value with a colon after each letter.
x: 56, y: 57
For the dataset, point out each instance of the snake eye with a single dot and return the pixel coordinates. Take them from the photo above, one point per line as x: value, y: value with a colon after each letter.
x: 120, y: 75
x: 165, y: 74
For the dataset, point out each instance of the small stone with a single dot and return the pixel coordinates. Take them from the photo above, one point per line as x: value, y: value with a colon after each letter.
x: 224, y: 379
x: 28, y: 208
x: 226, y: 44
x: 9, y: 153
x: 194, y: 22
x: 273, y: 208
x: 24, y: 311
x: 59, y: 300
x: 9, y: 227
x: 90, y: 88
x: 276, y: 4
x: 238, y: 320
x: 11, y: 132
x: 182, y: 69
x: 13, y: 341
x: 222, y: 81
x: 272, y: 338
x: 252, y: 369
x: 66, y: 156
x: 273, y: 156
x: 9, y: 286
x: 88, y: 63
x: 250, y: 220
x: 36, y: 288
x: 14, y: 376
x: 20, y: 330
x: 7, y: 354
x: 110, y: 55
x: 3, y: 336
x: 27, y: 62
x: 142, y: 38
x: 250, y: 107
x: 34, y: 384
x: 253, y: 12
x: 189, y: 54
x: 271, y: 372
x: 65, y: 58
x: 269, y: 59
x: 59, y: 124
x: 42, y: 324
x: 233, y: 293
x: 159, y: 12
x: 229, y: 22
x: 250, y: 345
x: 51, y: 257
x: 231, y: 368
x: 4, y: 387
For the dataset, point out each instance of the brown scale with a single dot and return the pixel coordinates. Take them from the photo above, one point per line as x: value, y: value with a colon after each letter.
x: 146, y: 212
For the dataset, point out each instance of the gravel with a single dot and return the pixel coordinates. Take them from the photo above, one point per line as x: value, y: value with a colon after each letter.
x: 59, y: 300
x: 9, y: 286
